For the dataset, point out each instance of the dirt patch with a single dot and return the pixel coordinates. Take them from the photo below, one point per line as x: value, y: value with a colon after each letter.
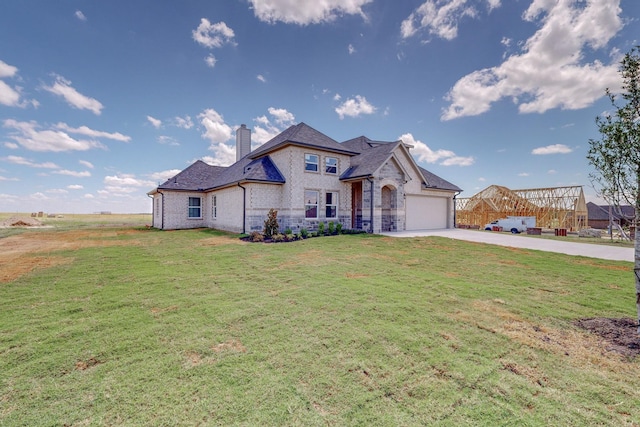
x: 20, y: 222
x: 83, y: 365
x: 23, y: 253
x: 620, y: 335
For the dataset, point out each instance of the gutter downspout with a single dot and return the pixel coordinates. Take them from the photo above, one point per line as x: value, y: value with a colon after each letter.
x: 371, y: 206
x: 244, y: 209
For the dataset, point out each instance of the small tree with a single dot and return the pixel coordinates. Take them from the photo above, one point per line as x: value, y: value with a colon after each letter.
x: 616, y: 156
x: 271, y: 226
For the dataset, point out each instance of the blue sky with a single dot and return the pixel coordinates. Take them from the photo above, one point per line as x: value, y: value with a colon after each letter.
x: 101, y: 101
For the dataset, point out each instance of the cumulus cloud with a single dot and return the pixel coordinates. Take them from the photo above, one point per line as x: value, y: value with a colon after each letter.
x: 440, y: 18
x: 86, y: 164
x: 351, y: 49
x: 305, y: 12
x: 162, y: 176
x: 123, y: 184
x: 62, y: 87
x: 156, y: 123
x: 183, y: 122
x: 213, y: 35
x: 11, y: 96
x: 551, y: 71
x: 261, y: 78
x: 75, y: 187
x: 443, y: 157
x: 76, y: 174
x: 218, y: 133
x: 552, y: 149
x: 80, y: 15
x: 31, y: 137
x: 267, y: 128
x: 354, y: 107
x: 84, y: 130
x: 210, y: 60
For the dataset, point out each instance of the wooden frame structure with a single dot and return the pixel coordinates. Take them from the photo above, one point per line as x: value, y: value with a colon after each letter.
x: 556, y: 207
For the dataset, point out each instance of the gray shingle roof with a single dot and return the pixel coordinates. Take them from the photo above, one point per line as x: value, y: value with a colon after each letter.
x: 201, y: 176
x: 368, y: 161
x: 197, y: 176
x: 303, y: 135
x: 434, y: 181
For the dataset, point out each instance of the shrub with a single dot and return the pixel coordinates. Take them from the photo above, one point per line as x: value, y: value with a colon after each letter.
x: 256, y: 236
x: 339, y: 228
x: 287, y: 231
x: 271, y: 223
x: 321, y: 229
x: 304, y: 233
x: 278, y: 238
x: 332, y: 228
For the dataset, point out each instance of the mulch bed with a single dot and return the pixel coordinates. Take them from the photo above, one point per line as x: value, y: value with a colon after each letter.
x: 621, y: 335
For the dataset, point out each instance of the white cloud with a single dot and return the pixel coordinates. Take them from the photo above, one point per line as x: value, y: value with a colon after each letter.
x: 552, y: 149
x: 351, y: 49
x: 441, y: 17
x: 218, y: 133
x: 210, y: 60
x: 552, y: 171
x: 265, y: 129
x: 183, y: 122
x: 84, y: 130
x: 551, y: 71
x: 523, y: 174
x: 86, y: 164
x: 83, y: 174
x: 156, y: 123
x: 4, y: 178
x: 337, y: 97
x: 75, y: 187
x: 261, y: 78
x: 123, y: 185
x: 80, y: 15
x: 213, y: 35
x: 443, y: 157
x: 305, y: 12
x: 164, y: 175
x: 10, y: 96
x: 57, y: 191
x: 17, y: 160
x: 168, y: 140
x: 62, y: 87
x: 354, y: 107
x: 29, y: 136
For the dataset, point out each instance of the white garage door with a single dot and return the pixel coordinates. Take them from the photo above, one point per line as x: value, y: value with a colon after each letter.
x: 426, y: 213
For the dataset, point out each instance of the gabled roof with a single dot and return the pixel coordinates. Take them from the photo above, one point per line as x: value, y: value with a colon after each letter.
x: 368, y: 161
x: 302, y: 135
x: 197, y: 176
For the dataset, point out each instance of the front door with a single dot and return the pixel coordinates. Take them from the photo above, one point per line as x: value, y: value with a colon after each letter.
x: 356, y: 205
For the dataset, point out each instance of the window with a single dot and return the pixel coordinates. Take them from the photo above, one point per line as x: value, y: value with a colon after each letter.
x: 311, y: 163
x: 214, y: 209
x: 310, y: 204
x: 331, y: 165
x: 331, y: 205
x: 195, y: 204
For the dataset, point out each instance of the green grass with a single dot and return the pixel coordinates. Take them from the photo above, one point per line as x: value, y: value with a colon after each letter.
x: 193, y: 328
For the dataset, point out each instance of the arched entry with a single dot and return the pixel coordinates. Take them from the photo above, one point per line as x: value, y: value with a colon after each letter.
x: 389, y: 202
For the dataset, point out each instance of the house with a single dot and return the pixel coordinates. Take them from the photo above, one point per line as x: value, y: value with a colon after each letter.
x: 601, y: 215
x: 308, y: 178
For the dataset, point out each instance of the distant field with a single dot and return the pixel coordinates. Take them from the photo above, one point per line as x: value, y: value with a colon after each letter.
x: 69, y: 221
x: 104, y: 324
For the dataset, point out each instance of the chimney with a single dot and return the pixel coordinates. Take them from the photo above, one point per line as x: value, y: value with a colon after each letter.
x: 243, y: 142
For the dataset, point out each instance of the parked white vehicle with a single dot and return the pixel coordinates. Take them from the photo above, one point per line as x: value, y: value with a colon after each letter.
x: 515, y: 225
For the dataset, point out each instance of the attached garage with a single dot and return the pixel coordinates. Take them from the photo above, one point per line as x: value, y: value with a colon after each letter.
x: 426, y: 212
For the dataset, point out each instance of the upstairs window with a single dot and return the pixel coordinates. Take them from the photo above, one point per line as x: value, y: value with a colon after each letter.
x: 311, y: 163
x: 195, y: 207
x: 331, y: 165
x: 310, y: 204
x: 331, y: 204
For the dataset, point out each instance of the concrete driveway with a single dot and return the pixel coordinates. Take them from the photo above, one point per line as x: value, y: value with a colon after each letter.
x: 518, y: 241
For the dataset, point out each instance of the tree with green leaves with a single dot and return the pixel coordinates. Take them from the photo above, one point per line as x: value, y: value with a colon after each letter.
x: 616, y: 156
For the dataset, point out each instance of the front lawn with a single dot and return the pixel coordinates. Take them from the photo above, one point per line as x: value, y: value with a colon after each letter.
x: 130, y: 326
